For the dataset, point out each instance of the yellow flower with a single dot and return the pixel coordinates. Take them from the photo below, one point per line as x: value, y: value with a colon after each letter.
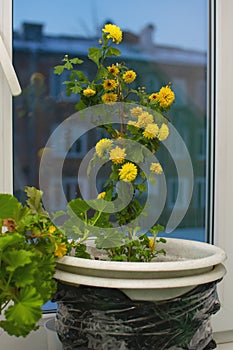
x: 136, y: 111
x: 151, y: 131
x: 153, y: 97
x: 109, y: 84
x: 101, y: 195
x: 60, y: 250
x: 166, y: 96
x: 103, y: 146
x: 109, y: 98
x: 144, y: 119
x: 156, y: 168
x: 135, y: 124
x: 152, y: 244
x: 114, y: 33
x: 89, y: 92
x: 163, y: 132
x: 129, y: 76
x: 52, y: 229
x: 114, y: 70
x: 117, y: 155
x: 128, y: 172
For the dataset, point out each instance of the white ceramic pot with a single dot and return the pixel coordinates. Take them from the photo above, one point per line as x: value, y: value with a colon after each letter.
x: 186, y: 265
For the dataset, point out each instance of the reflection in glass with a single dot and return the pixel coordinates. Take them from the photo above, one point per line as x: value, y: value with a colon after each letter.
x: 44, y: 104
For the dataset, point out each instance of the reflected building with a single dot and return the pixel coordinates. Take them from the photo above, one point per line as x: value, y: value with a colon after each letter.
x: 43, y: 105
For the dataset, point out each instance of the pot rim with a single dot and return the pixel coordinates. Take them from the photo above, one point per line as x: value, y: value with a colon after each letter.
x: 211, y: 255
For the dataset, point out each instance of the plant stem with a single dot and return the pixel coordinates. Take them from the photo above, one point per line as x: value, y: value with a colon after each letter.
x: 97, y: 218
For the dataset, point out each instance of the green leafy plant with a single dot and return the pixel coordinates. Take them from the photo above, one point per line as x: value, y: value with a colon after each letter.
x: 29, y: 247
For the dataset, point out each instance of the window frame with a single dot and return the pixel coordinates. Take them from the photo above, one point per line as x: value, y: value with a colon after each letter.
x: 6, y: 147
x: 223, y: 189
x: 220, y: 137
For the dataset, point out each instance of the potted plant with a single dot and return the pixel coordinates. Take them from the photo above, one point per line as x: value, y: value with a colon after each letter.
x: 108, y: 247
x: 117, y: 230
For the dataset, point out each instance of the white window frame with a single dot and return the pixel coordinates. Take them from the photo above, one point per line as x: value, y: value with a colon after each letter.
x: 223, y: 321
x: 223, y: 187
x: 6, y: 155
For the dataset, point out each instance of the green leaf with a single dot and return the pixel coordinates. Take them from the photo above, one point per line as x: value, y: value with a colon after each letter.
x: 95, y: 54
x: 76, y: 89
x: 78, y: 206
x: 8, y: 206
x: 141, y: 187
x: 112, y: 51
x: 17, y: 330
x: 68, y: 65
x: 101, y: 204
x: 16, y: 258
x: 7, y: 240
x: 80, y: 105
x: 58, y: 214
x: 109, y: 240
x: 58, y: 70
x: 156, y: 229
x: 80, y: 252
x: 162, y: 240
x: 82, y: 78
x: 136, y: 154
x: 26, y: 275
x: 102, y: 71
x: 114, y: 176
x: 34, y: 200
x: 27, y: 310
x: 76, y: 60
x: 102, y: 220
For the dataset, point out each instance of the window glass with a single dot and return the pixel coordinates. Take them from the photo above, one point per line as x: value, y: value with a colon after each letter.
x: 162, y: 43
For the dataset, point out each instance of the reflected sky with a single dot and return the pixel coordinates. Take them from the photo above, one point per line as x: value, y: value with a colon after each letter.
x: 181, y: 23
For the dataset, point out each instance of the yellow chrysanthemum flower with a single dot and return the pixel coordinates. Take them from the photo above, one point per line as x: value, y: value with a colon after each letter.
x: 156, y: 168
x: 163, y: 132
x: 60, y: 250
x: 52, y: 229
x: 136, y: 111
x: 114, y: 70
x: 144, y: 119
x: 129, y: 76
x: 154, y: 96
x: 103, y: 147
x: 166, y: 96
x: 109, y: 98
x: 117, y: 155
x: 128, y: 172
x: 101, y: 195
x: 89, y: 92
x: 115, y: 32
x: 151, y: 131
x: 109, y: 84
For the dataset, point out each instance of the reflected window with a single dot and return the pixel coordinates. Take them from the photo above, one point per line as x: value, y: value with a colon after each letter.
x: 162, y: 43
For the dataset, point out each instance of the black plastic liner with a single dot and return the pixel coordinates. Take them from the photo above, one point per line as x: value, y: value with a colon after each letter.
x: 106, y: 319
